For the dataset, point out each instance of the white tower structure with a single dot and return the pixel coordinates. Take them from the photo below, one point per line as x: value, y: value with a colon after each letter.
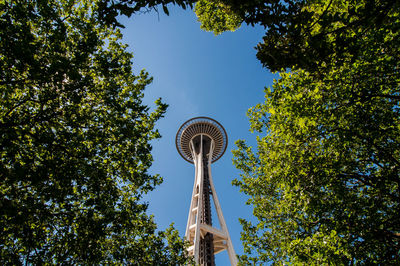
x: 202, y: 141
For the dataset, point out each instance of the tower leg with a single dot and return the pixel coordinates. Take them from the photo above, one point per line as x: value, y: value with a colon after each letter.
x: 229, y: 245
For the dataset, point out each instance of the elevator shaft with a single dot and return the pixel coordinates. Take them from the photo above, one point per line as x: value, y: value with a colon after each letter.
x: 202, y: 146
x: 206, y: 244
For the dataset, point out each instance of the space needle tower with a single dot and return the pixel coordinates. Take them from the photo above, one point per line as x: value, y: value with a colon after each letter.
x: 202, y: 141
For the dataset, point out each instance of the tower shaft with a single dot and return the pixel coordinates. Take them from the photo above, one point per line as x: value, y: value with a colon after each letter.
x: 206, y: 256
x: 205, y: 240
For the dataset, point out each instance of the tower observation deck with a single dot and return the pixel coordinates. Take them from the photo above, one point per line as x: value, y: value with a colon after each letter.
x: 202, y: 141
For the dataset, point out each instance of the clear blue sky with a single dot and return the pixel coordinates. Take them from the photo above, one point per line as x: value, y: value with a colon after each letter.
x: 197, y: 74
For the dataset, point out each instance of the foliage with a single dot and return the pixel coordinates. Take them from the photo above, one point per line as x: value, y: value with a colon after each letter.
x: 74, y: 142
x: 314, y: 34
x: 216, y: 17
x: 325, y: 179
x: 108, y: 10
x: 318, y: 35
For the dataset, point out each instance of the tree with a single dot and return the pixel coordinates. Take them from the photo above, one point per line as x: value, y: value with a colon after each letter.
x: 216, y: 17
x: 314, y: 35
x: 325, y: 179
x: 108, y: 10
x: 74, y: 142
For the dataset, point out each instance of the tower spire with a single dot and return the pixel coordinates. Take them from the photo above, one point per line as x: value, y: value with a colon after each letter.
x: 202, y: 141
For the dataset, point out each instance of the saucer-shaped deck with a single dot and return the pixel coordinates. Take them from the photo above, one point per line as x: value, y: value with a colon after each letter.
x: 198, y: 126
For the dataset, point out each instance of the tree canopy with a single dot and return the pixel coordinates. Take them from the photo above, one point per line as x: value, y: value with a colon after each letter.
x: 324, y: 179
x: 216, y: 17
x: 74, y: 142
x: 108, y: 10
x: 309, y: 34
